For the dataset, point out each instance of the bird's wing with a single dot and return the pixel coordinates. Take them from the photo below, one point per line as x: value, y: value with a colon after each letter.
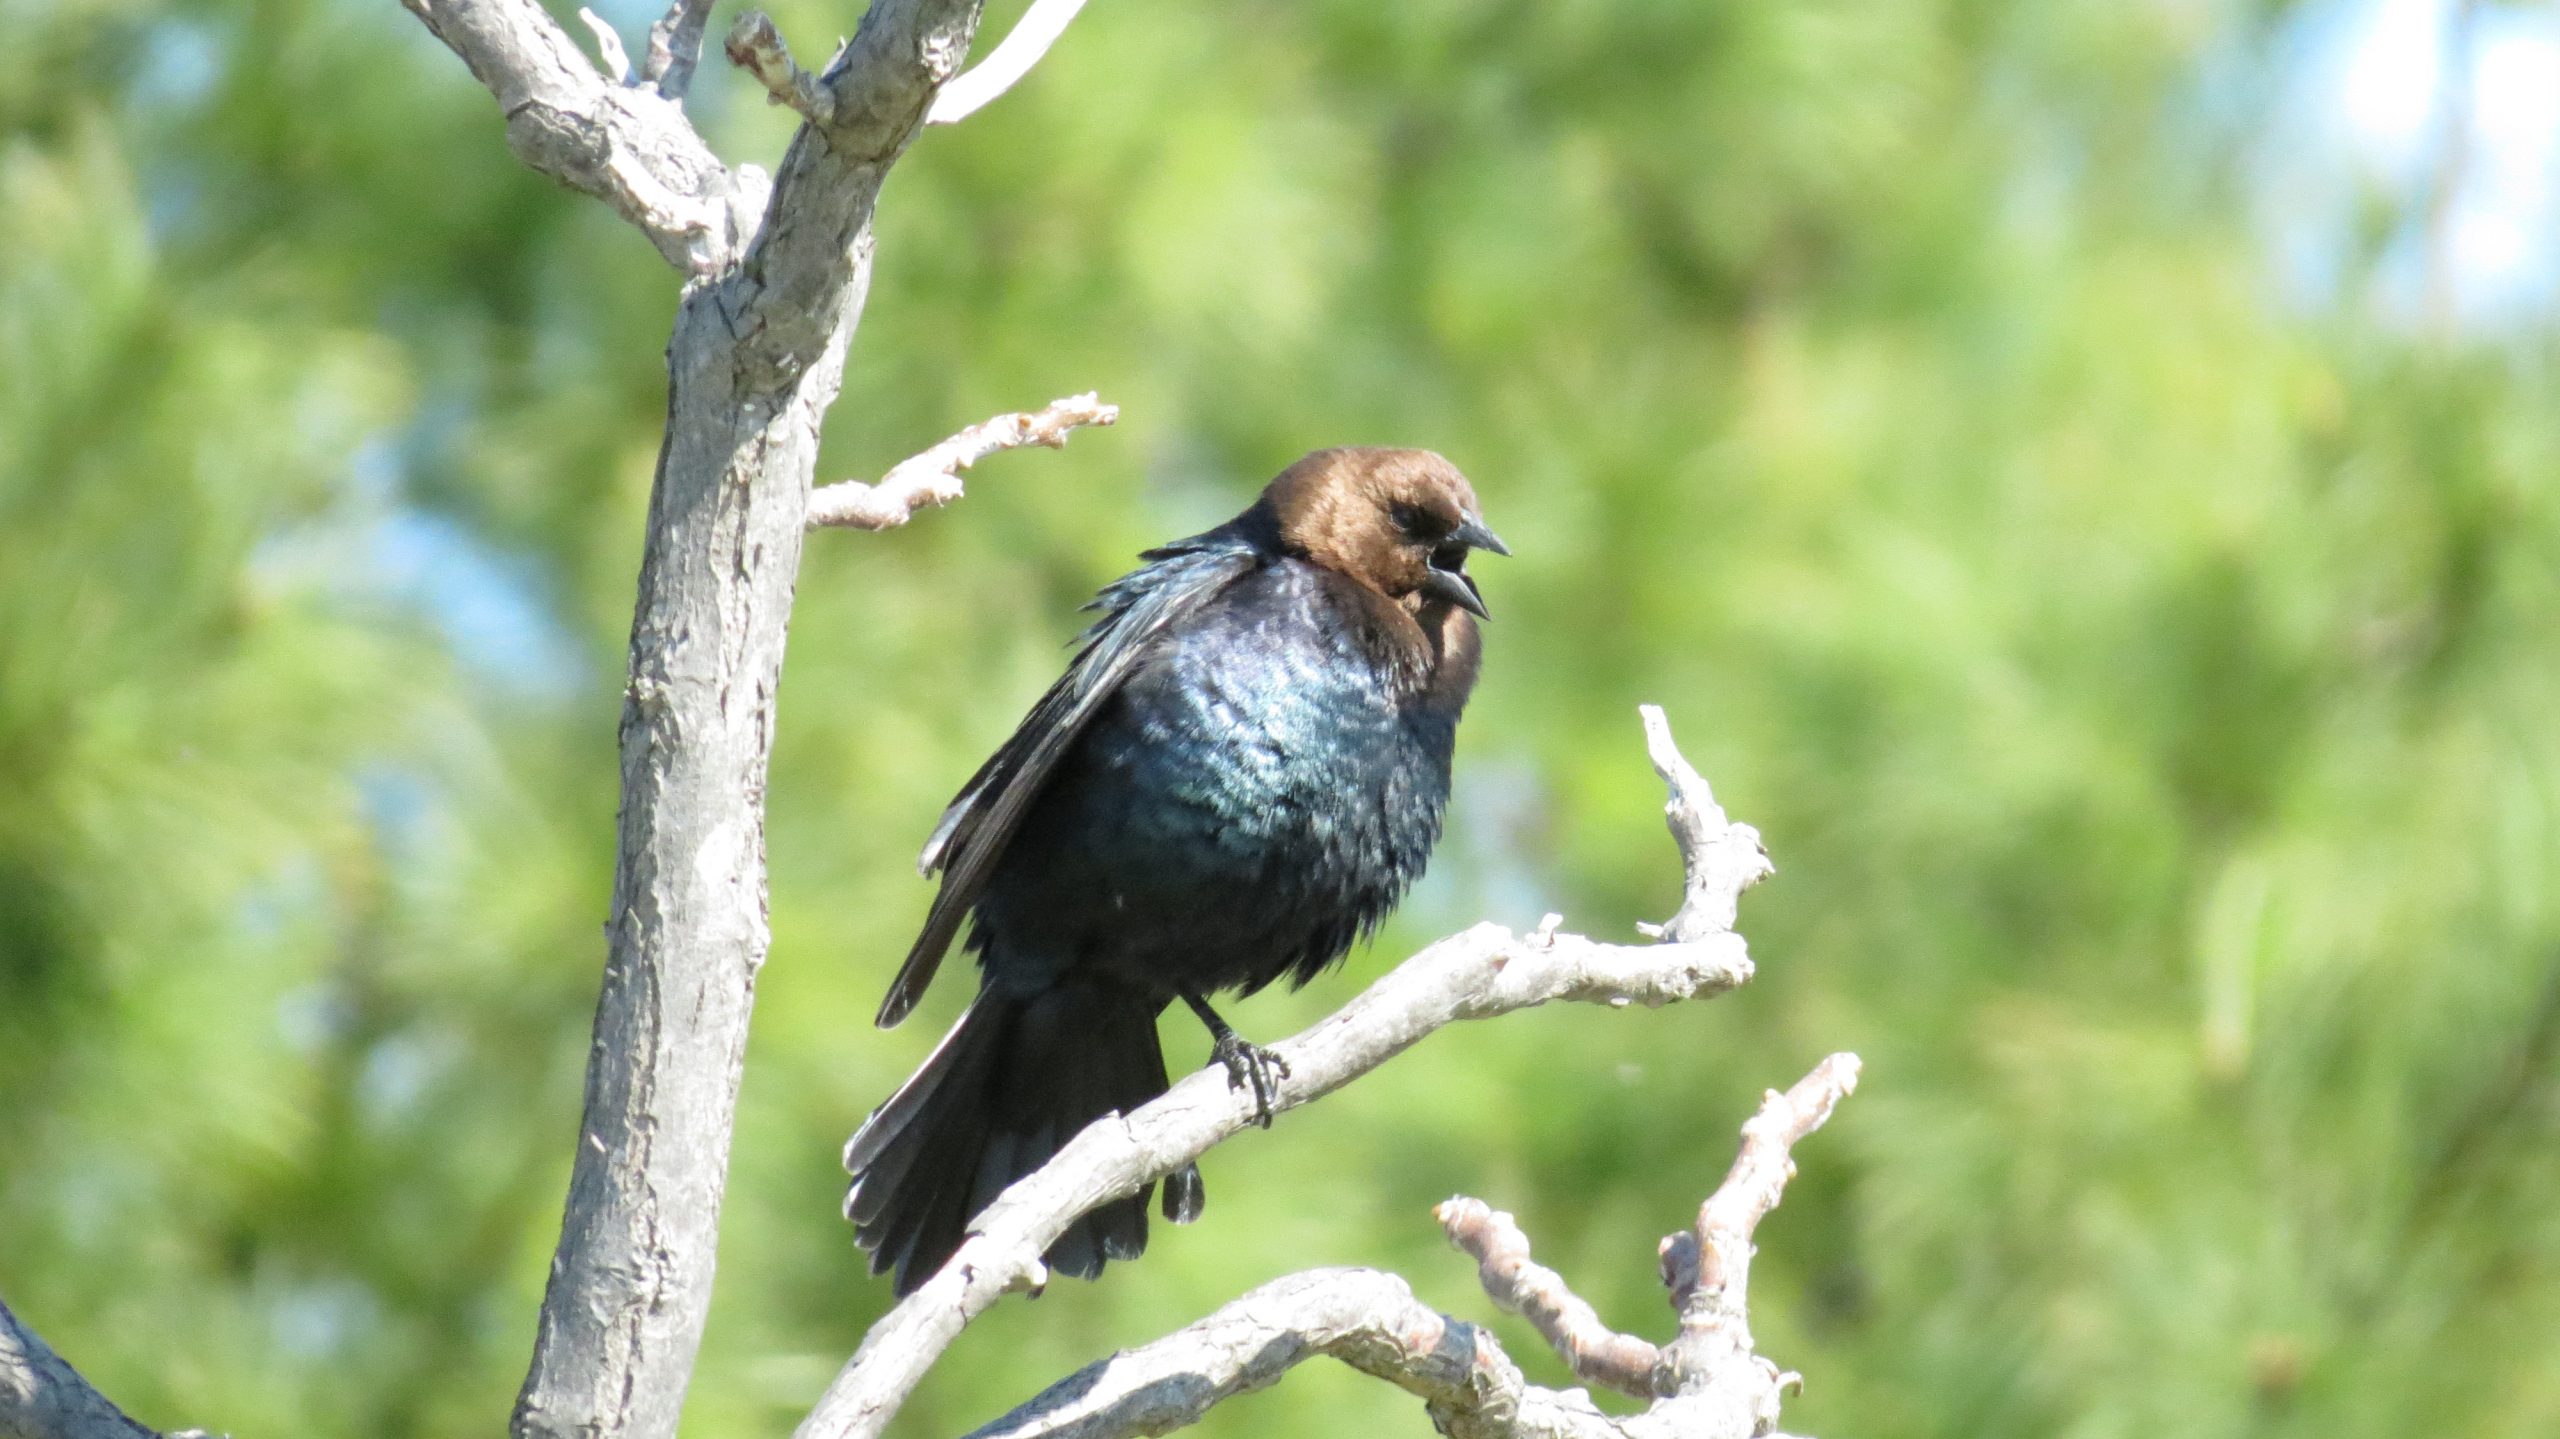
x: 981, y: 820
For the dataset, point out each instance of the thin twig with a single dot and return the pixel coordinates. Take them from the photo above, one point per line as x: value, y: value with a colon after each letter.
x: 755, y: 46
x: 1720, y: 859
x: 933, y: 478
x: 1013, y: 57
x: 1711, y: 1262
x: 1712, y: 1370
x: 1598, y: 1354
x: 675, y: 47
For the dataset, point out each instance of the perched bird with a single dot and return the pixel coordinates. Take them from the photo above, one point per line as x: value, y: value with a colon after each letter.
x: 1240, y: 772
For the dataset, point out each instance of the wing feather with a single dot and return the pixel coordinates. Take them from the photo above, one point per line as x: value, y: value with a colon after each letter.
x: 974, y: 830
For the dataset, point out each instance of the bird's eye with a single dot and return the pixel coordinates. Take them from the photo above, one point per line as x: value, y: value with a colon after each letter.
x: 1417, y: 522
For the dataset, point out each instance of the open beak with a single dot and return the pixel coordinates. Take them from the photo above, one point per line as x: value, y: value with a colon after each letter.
x: 1452, y: 584
x: 1455, y: 587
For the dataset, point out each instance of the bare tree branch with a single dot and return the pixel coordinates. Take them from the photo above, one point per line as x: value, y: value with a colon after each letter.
x: 675, y: 47
x: 933, y: 478
x: 1021, y: 48
x: 1366, y: 1319
x: 1483, y: 972
x: 1711, y: 1370
x: 631, y: 148
x: 1707, y: 1384
x: 1719, y: 859
x: 43, y: 1397
x: 1596, y: 1353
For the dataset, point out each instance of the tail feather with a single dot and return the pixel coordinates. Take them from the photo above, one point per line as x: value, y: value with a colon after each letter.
x: 906, y: 1196
x: 1183, y: 1194
x: 1015, y: 1079
x: 995, y: 1170
x: 1075, y: 1252
x: 1122, y: 1228
x: 887, y: 1147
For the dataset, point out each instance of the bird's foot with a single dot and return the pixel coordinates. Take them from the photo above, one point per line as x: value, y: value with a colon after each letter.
x: 1250, y: 1064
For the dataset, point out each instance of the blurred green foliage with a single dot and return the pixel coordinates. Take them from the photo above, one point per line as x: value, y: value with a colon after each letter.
x: 2146, y: 682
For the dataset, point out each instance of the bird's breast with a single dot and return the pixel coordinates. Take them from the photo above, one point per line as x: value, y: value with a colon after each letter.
x: 1257, y: 793
x: 1280, y: 742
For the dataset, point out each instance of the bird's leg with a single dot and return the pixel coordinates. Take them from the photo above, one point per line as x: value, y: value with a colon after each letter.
x: 1247, y: 1063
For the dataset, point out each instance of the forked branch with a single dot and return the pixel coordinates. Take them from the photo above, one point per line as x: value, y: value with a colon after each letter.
x: 628, y: 146
x: 1472, y: 1389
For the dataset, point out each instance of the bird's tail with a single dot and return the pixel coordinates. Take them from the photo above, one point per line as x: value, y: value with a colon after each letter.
x: 1011, y: 1083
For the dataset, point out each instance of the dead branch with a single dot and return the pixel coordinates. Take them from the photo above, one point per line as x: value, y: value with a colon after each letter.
x: 609, y: 51
x: 1596, y: 1353
x: 1712, y: 1367
x: 629, y: 147
x: 1719, y: 859
x: 1705, y: 1384
x: 1366, y: 1319
x: 933, y: 478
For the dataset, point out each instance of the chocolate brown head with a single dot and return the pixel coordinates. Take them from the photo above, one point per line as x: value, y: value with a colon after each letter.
x: 1401, y: 522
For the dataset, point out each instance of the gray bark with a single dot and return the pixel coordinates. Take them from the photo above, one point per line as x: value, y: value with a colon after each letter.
x: 756, y: 359
x: 1706, y: 1383
x: 1365, y: 1319
x: 628, y: 146
x: 43, y: 1397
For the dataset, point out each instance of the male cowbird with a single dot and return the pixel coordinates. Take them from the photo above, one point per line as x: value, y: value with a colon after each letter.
x: 1240, y: 771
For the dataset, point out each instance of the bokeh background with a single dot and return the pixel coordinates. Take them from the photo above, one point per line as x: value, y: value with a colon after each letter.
x: 2081, y: 475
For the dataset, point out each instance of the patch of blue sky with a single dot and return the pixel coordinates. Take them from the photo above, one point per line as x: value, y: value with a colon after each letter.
x: 487, y: 605
x: 489, y: 608
x: 2378, y: 94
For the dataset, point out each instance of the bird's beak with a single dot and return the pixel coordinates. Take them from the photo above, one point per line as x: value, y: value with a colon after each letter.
x: 1475, y: 536
x: 1455, y: 587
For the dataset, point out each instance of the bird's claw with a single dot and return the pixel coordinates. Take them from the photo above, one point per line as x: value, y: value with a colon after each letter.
x: 1250, y: 1064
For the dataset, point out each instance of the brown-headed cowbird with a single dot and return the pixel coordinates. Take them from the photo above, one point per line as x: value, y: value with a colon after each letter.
x: 1240, y: 772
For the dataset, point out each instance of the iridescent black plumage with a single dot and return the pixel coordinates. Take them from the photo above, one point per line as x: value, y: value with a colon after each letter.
x: 1240, y: 773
